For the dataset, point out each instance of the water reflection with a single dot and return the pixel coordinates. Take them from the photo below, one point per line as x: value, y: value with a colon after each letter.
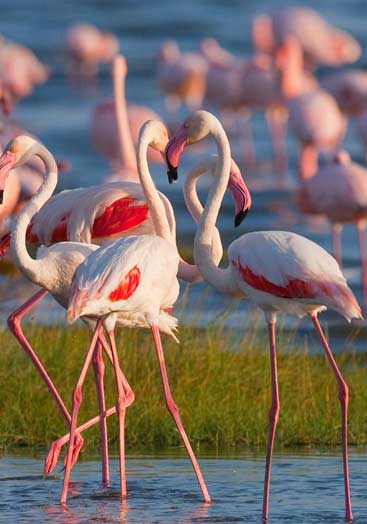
x: 306, y: 488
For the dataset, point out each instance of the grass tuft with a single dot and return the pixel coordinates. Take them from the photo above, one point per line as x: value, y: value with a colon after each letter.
x: 220, y: 383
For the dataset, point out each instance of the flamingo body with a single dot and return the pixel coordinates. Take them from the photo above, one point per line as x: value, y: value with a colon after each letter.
x: 337, y: 190
x: 283, y: 271
x: 136, y: 277
x: 349, y: 88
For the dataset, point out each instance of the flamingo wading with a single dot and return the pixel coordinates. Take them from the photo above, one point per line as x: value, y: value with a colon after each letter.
x: 276, y: 270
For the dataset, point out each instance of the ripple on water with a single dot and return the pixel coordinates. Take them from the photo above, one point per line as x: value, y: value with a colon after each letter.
x: 306, y: 489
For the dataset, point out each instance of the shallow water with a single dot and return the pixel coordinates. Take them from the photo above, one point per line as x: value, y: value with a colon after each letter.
x: 59, y: 113
x: 306, y: 489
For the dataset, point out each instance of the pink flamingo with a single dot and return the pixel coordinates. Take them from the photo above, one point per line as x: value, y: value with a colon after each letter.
x: 338, y: 191
x: 115, y: 126
x: 195, y: 208
x: 314, y: 116
x: 320, y: 42
x: 82, y: 224
x: 181, y: 76
x: 87, y: 47
x: 349, y: 88
x: 133, y: 280
x: 20, y: 69
x: 277, y: 270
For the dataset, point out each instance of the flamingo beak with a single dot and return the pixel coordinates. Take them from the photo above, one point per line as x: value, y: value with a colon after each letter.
x: 7, y: 162
x: 173, y: 152
x: 241, y: 196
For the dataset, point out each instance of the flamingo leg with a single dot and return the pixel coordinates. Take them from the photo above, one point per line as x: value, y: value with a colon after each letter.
x: 277, y: 120
x: 308, y: 160
x: 99, y: 369
x: 173, y: 409
x: 362, y: 238
x: 15, y: 327
x: 273, y: 416
x: 249, y: 157
x: 55, y: 447
x: 336, y: 230
x: 76, y: 402
x: 121, y: 410
x: 343, y: 399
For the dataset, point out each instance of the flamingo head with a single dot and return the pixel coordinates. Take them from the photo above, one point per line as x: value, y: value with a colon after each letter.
x: 18, y: 151
x: 157, y: 135
x: 240, y: 193
x: 196, y: 127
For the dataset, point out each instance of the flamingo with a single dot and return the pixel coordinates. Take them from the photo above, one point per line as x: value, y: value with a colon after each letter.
x: 82, y: 210
x: 276, y: 270
x: 338, y: 190
x: 181, y: 76
x: 20, y: 69
x: 86, y: 47
x: 349, y: 88
x: 134, y: 281
x: 314, y: 115
x: 320, y: 42
x: 115, y: 126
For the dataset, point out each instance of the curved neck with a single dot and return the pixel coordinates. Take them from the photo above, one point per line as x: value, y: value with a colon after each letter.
x: 126, y: 145
x: 33, y: 269
x: 154, y: 202
x: 219, y: 278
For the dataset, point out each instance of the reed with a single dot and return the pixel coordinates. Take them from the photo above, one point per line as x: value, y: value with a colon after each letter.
x: 221, y: 383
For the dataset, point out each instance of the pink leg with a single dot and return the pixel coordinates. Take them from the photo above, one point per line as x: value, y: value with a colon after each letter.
x: 15, y: 327
x: 76, y: 401
x: 308, y: 161
x: 99, y: 368
x: 55, y: 447
x: 249, y: 156
x: 273, y: 416
x: 361, y: 227
x: 121, y: 410
x: 277, y: 120
x: 337, y: 247
x: 173, y: 409
x: 343, y: 399
x: 129, y: 394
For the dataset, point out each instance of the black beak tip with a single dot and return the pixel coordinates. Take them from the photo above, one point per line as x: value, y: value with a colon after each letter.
x: 239, y: 217
x: 1, y: 196
x: 172, y: 174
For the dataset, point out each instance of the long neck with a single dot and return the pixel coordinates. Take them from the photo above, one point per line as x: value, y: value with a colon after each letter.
x: 154, y: 202
x: 33, y: 269
x: 127, y: 150
x: 219, y: 278
x: 195, y: 207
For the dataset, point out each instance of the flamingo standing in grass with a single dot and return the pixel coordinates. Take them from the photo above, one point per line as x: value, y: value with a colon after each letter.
x: 71, y: 215
x: 276, y: 270
x: 132, y: 281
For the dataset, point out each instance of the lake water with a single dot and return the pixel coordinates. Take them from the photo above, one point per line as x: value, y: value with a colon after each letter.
x: 306, y: 489
x: 60, y: 113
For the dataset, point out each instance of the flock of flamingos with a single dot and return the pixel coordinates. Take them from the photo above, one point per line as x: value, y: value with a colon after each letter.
x: 108, y: 253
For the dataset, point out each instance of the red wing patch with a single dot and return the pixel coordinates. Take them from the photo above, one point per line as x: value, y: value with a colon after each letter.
x: 59, y: 234
x: 4, y: 243
x: 295, y: 288
x: 119, y: 217
x: 127, y: 286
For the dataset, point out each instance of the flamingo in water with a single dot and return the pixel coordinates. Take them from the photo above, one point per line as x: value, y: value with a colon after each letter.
x: 338, y: 190
x: 276, y: 270
x: 132, y: 280
x: 18, y: 152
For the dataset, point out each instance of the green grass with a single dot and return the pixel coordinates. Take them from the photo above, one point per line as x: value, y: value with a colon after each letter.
x: 221, y: 385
